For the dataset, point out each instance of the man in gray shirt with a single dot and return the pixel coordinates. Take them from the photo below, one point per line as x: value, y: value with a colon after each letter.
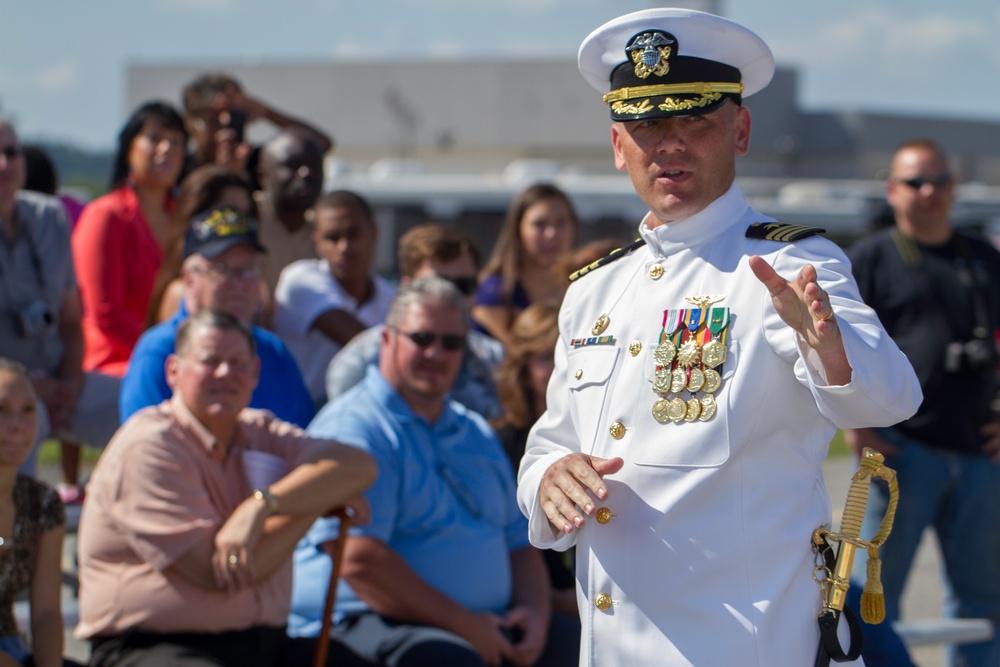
x: 431, y: 250
x: 40, y: 310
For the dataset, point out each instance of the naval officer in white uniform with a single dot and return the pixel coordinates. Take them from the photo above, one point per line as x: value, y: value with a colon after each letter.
x: 699, y: 376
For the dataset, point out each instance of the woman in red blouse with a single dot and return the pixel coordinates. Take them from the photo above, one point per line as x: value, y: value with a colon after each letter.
x: 119, y: 242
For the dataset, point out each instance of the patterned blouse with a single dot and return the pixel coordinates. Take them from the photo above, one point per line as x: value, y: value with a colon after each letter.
x: 37, y: 509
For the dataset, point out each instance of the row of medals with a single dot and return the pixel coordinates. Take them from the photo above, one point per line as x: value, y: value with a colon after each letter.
x: 691, y: 367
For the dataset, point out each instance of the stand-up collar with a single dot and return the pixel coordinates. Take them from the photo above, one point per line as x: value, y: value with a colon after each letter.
x: 703, y: 227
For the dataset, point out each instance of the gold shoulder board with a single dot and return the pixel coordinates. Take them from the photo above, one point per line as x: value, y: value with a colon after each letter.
x: 776, y: 231
x: 615, y: 254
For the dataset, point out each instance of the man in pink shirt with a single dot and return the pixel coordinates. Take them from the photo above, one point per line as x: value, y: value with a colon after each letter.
x: 185, y: 559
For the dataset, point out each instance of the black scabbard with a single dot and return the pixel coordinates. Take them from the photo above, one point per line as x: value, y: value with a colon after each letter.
x: 829, y: 643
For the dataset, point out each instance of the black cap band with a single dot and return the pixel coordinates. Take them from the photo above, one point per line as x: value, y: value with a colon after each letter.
x: 655, y: 82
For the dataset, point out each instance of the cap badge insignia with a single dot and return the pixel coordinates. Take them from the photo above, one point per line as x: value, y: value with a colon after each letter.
x: 650, y: 51
x: 223, y: 223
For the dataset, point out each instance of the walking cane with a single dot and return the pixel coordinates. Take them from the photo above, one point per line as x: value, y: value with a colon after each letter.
x: 323, y: 641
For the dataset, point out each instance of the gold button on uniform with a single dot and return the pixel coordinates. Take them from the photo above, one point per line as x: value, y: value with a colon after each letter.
x: 603, y: 602
x: 655, y: 271
x: 603, y: 515
x: 578, y: 374
x: 634, y: 348
x: 617, y: 430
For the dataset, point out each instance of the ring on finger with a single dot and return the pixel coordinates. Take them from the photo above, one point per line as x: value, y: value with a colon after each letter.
x: 233, y: 559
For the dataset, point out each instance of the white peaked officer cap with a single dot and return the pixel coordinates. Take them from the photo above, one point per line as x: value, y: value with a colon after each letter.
x: 666, y: 62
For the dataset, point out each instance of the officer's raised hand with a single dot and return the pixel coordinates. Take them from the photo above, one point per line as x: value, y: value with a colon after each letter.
x: 805, y: 306
x: 568, y: 484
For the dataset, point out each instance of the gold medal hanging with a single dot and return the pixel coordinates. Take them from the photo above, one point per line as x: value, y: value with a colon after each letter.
x: 714, y: 353
x: 692, y: 410
x: 676, y: 409
x: 689, y: 355
x: 678, y: 381
x: 708, y: 408
x: 664, y: 353
x: 696, y: 379
x: 692, y: 346
x: 661, y: 410
x: 712, y: 381
x: 662, y: 380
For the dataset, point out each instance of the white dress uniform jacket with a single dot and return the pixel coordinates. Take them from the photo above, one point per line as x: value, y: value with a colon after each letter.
x: 706, y: 557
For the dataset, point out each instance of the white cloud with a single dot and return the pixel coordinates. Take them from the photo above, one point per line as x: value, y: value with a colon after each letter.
x: 878, y: 39
x: 932, y: 35
x: 880, y: 57
x: 59, y: 77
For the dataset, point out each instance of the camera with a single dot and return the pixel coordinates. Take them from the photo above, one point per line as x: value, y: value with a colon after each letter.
x: 237, y: 123
x: 976, y: 354
x: 512, y: 633
x: 34, y: 319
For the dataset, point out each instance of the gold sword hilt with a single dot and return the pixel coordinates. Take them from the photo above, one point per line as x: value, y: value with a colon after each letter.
x: 837, y: 582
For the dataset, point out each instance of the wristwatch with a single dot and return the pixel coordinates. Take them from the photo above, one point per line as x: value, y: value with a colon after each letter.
x: 265, y: 496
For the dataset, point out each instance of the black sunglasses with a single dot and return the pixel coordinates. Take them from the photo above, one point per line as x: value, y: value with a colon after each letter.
x: 11, y: 152
x: 424, y: 339
x: 938, y: 181
x: 467, y: 285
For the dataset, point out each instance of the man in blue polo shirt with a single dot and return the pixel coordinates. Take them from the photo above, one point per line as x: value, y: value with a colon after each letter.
x: 221, y: 271
x: 443, y: 574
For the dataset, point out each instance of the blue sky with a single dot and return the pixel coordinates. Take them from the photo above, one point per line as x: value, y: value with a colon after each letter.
x: 62, y: 62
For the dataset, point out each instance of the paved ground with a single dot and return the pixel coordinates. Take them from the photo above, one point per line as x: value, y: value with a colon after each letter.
x: 921, y: 600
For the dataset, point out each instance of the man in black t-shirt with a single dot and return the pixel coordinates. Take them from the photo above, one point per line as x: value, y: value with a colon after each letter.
x: 937, y: 292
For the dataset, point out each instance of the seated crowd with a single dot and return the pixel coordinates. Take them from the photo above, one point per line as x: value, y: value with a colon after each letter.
x: 218, y: 322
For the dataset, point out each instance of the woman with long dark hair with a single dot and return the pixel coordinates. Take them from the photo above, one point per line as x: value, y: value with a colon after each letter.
x: 119, y: 242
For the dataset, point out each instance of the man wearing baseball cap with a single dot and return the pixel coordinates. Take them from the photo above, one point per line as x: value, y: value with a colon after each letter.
x: 700, y: 375
x: 221, y: 271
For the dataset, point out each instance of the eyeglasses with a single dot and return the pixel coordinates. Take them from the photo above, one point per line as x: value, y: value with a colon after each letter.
x: 12, y: 151
x: 219, y: 272
x: 465, y: 284
x: 424, y: 339
x: 917, y: 182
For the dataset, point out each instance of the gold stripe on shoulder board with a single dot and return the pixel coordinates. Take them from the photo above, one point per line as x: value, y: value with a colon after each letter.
x: 615, y: 254
x: 784, y: 233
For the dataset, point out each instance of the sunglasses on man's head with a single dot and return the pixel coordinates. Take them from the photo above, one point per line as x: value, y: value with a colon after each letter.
x: 424, y: 339
x: 465, y: 284
x: 917, y: 182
